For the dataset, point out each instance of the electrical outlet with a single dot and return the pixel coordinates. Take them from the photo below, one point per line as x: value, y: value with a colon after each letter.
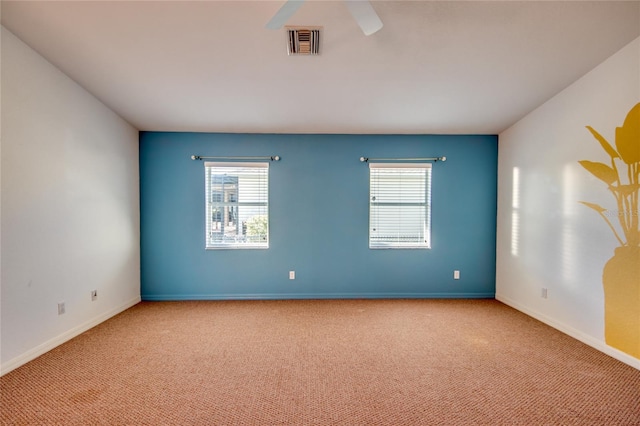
x: 292, y: 275
x: 543, y: 293
x: 456, y: 275
x: 94, y: 295
x: 61, y: 309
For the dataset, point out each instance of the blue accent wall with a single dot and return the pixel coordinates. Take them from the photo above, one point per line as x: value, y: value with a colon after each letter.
x: 319, y: 215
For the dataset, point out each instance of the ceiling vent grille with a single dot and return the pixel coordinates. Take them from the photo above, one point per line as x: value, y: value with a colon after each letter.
x: 303, y: 41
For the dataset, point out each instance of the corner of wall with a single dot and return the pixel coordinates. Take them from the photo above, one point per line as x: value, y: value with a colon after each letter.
x: 550, y: 248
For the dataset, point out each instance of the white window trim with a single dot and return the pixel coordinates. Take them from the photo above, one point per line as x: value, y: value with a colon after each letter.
x: 427, y: 225
x: 231, y: 245
x: 400, y: 165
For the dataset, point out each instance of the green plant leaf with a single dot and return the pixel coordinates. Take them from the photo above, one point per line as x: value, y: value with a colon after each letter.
x: 601, y: 171
x: 605, y: 145
x: 596, y: 207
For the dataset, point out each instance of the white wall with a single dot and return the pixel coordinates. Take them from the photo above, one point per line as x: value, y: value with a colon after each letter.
x: 69, y: 207
x: 545, y: 238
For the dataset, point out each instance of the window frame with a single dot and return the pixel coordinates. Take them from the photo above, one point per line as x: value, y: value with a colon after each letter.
x: 234, y: 169
x: 428, y: 179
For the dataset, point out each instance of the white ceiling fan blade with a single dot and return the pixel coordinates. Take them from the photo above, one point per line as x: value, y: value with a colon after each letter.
x: 365, y: 15
x: 282, y: 16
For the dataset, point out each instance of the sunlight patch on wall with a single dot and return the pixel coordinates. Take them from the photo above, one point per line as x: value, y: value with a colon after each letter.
x: 515, y: 213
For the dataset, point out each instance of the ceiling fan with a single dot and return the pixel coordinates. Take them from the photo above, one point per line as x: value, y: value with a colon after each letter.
x: 362, y: 12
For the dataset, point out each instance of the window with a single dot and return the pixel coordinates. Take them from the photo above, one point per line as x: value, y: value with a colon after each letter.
x: 237, y: 205
x: 399, y: 205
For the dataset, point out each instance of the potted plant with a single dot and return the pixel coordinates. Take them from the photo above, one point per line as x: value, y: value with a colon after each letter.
x: 621, y: 273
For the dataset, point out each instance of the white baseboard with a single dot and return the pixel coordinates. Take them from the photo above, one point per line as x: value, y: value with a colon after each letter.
x: 45, y: 347
x: 576, y: 334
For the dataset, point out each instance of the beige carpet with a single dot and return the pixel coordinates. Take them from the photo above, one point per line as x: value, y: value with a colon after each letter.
x: 330, y: 362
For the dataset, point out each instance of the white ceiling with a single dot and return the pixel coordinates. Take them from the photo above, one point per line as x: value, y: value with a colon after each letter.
x: 449, y: 67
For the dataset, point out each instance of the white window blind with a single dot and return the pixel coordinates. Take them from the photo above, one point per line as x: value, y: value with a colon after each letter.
x: 237, y: 205
x: 400, y: 205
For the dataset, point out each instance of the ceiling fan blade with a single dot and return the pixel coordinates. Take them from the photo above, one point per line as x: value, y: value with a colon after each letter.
x: 282, y: 16
x: 365, y: 15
